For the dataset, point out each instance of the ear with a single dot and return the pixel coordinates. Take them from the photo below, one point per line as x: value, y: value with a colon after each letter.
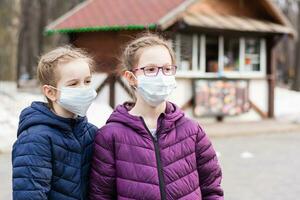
x: 130, y: 77
x: 50, y: 92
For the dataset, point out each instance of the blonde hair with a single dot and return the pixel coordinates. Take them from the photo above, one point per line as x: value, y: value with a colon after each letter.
x: 49, y: 63
x: 133, y: 49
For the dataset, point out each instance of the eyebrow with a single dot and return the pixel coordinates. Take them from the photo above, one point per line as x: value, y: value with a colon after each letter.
x: 76, y: 79
x: 152, y: 64
x: 72, y: 80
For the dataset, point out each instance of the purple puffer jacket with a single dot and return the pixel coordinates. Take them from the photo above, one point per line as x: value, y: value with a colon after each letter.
x: 128, y: 163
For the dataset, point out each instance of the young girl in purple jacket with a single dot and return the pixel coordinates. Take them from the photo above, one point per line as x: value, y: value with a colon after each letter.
x: 150, y: 150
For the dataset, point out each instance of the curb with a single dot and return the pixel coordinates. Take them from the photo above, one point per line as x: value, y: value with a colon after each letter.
x: 239, y: 129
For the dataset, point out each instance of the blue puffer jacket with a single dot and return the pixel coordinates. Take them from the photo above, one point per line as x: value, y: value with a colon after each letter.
x: 51, y: 157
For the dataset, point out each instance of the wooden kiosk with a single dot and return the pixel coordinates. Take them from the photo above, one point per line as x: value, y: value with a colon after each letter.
x: 224, y: 48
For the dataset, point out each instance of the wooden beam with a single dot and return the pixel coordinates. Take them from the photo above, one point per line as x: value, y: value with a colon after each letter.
x: 261, y: 113
x: 102, y: 85
x: 187, y: 104
x: 125, y: 87
x: 111, y: 80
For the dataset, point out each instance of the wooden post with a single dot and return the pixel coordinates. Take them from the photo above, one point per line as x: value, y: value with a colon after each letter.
x: 271, y: 70
x: 112, y: 91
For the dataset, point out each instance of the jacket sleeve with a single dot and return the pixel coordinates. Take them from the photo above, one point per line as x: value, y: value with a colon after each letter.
x: 102, y: 179
x: 209, y: 170
x: 32, y: 167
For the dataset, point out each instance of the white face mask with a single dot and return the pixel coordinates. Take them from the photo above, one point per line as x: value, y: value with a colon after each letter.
x: 76, y: 100
x: 156, y: 89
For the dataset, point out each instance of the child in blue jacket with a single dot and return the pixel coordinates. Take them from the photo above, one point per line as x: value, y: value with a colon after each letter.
x: 51, y: 157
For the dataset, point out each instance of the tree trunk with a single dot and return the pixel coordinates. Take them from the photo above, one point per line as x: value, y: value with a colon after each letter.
x: 23, y: 39
x: 8, y: 24
x: 35, y: 14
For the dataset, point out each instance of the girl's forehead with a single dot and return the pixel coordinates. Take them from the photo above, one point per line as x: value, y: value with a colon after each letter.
x: 158, y: 55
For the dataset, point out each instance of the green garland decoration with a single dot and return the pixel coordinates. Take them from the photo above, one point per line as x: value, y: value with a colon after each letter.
x: 99, y: 28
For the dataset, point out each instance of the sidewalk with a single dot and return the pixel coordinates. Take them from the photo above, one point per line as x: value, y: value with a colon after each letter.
x: 231, y: 129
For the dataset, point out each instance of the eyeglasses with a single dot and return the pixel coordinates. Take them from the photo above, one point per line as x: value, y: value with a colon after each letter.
x: 152, y: 70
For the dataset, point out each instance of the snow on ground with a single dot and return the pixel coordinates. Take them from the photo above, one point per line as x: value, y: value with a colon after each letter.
x: 287, y: 107
x: 11, y: 104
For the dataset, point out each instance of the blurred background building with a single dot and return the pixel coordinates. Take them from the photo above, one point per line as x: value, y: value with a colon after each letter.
x: 225, y: 50
x: 231, y: 53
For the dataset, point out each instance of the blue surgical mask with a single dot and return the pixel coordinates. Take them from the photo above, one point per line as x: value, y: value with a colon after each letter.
x: 76, y: 100
x: 155, y: 90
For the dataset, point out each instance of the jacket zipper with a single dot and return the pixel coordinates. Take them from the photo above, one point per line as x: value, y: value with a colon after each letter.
x: 81, y: 152
x: 158, y: 162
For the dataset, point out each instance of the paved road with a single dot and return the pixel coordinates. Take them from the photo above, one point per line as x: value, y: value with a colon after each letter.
x: 261, y: 167
x: 5, y: 177
x: 264, y: 167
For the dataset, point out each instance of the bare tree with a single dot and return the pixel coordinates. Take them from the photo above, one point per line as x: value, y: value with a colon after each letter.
x: 286, y: 56
x: 35, y: 15
x: 8, y: 31
x: 29, y: 41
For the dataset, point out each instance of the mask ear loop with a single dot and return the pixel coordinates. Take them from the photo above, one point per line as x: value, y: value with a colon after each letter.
x: 135, y: 79
x: 53, y: 87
